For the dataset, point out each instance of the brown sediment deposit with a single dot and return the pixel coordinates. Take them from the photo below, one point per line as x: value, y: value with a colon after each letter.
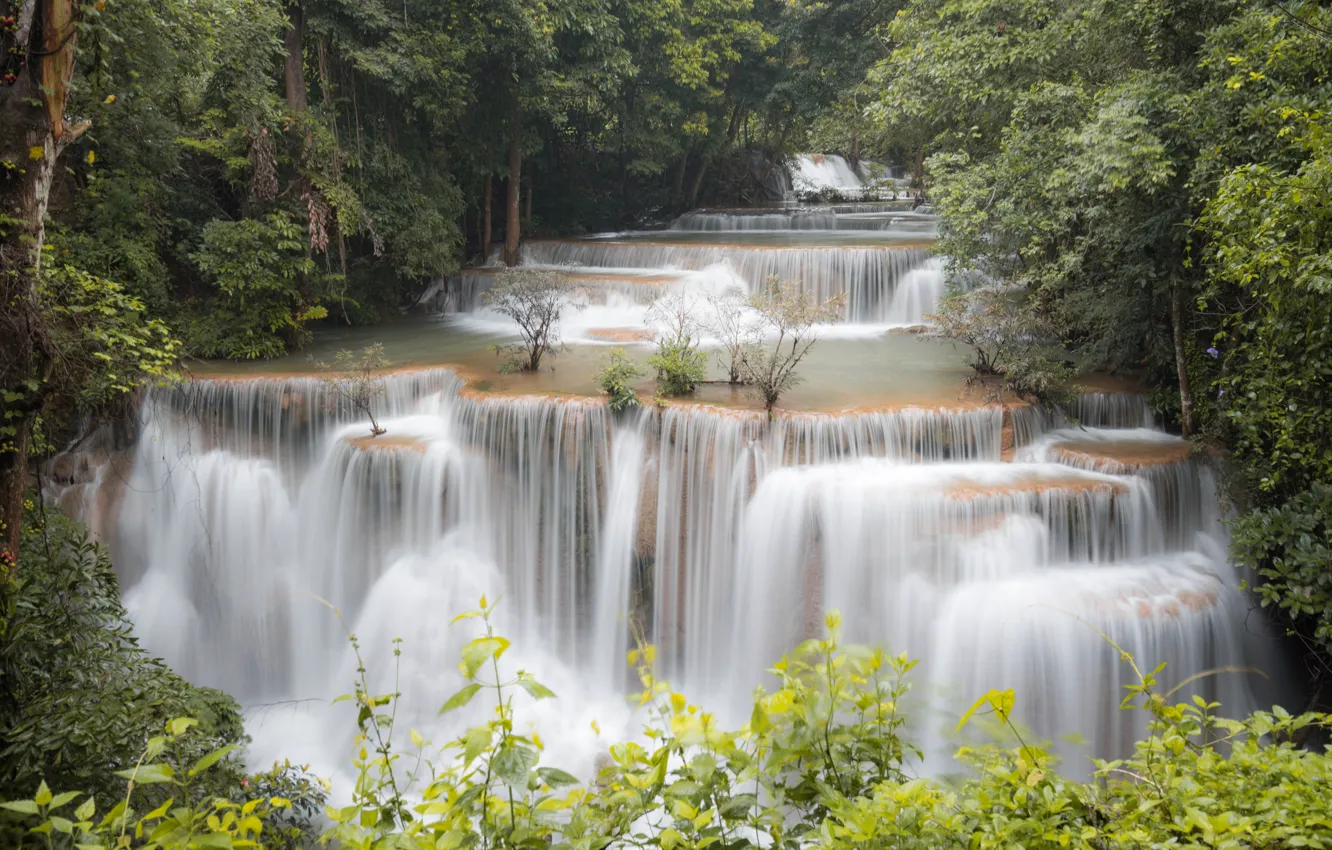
x: 387, y: 442
x: 1104, y: 382
x: 1035, y: 485
x: 1123, y: 454
x: 621, y: 334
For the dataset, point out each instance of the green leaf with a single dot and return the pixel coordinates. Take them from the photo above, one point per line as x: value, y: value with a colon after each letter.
x: 43, y: 796
x: 670, y: 839
x: 86, y: 810
x: 211, y: 759
x: 149, y: 774
x: 513, y: 763
x: 556, y: 778
x: 23, y: 807
x: 534, y: 688
x: 480, y: 650
x: 475, y: 742
x: 461, y: 698
x: 177, y: 726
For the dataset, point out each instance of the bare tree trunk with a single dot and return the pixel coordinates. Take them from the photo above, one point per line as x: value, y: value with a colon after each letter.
x: 1181, y: 362
x: 293, y: 65
x: 677, y: 185
x: 527, y: 201
x: 697, y: 184
x: 32, y: 133
x: 513, y: 228
x: 486, y: 219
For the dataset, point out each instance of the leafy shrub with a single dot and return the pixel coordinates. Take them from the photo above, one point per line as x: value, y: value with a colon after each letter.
x: 1009, y: 338
x: 264, y: 297
x: 80, y: 698
x: 680, y: 366
x: 615, y: 378
x: 1290, y: 546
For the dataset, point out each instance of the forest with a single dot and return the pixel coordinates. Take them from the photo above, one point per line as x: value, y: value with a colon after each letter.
x: 1127, y: 188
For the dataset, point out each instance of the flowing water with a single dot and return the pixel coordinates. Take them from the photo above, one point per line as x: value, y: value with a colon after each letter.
x: 256, y: 519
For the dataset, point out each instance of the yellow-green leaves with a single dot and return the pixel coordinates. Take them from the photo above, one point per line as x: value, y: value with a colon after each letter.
x: 1001, y: 702
x: 480, y: 650
x: 461, y: 698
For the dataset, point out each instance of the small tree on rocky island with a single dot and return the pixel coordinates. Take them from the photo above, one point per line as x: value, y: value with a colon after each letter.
x: 535, y: 299
x: 729, y: 320
x: 1009, y: 338
x: 788, y: 316
x: 357, y: 380
x: 679, y: 365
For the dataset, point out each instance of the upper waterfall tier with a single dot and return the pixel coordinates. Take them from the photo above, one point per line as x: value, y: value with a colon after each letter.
x: 847, y: 217
x: 867, y: 276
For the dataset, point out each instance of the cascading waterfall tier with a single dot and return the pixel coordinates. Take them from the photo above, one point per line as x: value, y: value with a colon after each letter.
x: 866, y: 277
x: 814, y: 218
x: 255, y: 508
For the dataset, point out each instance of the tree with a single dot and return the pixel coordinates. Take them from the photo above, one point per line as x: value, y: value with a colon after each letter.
x: 787, y: 331
x: 37, y: 43
x: 1010, y: 338
x: 680, y: 366
x: 730, y: 319
x: 357, y: 381
x: 534, y: 299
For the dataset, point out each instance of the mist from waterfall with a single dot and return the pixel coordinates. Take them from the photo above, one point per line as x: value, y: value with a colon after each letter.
x: 257, y: 510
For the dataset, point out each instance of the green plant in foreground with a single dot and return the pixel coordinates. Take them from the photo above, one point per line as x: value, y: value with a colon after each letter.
x: 615, y: 379
x: 821, y: 763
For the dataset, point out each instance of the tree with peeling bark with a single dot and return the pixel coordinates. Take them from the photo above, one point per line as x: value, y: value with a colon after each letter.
x: 36, y: 63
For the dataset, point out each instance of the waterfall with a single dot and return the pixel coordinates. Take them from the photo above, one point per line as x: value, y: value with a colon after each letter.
x: 814, y: 218
x: 815, y: 173
x: 866, y: 276
x: 721, y: 536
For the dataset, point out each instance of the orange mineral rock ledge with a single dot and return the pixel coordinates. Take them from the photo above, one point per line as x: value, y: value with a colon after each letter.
x: 963, y: 490
x: 1124, y: 454
x: 387, y: 443
x: 481, y: 383
x: 621, y: 334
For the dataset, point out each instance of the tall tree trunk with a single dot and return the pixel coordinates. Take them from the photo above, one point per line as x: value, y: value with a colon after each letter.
x: 1181, y: 361
x: 677, y: 185
x: 527, y: 201
x: 293, y: 65
x: 697, y: 184
x: 32, y: 133
x: 513, y: 228
x: 487, y: 216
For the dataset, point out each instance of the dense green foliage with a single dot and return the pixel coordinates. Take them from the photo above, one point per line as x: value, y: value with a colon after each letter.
x: 255, y: 165
x: 824, y: 761
x: 78, y: 696
x: 1145, y: 184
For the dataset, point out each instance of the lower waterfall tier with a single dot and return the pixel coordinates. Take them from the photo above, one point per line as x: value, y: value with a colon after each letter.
x: 252, y: 509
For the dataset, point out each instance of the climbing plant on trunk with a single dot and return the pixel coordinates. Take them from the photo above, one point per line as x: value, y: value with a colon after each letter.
x: 37, y: 44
